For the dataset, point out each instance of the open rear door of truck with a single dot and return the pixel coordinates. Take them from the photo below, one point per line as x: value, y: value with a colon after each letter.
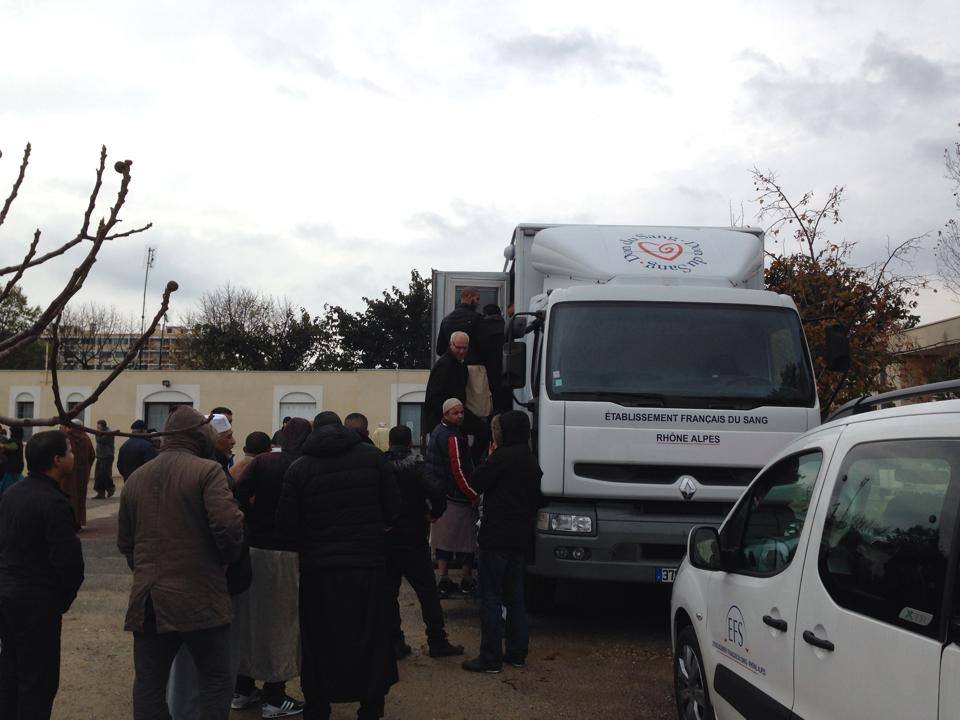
x: 446, y: 294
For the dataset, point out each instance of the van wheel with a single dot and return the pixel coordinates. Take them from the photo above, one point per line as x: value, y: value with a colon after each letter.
x: 689, y: 678
x: 541, y: 594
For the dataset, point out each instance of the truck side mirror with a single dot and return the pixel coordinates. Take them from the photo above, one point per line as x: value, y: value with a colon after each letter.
x: 516, y: 328
x: 703, y: 548
x: 836, y: 348
x: 515, y: 364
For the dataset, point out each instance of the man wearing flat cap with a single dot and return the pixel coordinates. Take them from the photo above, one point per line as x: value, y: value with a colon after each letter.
x: 136, y: 451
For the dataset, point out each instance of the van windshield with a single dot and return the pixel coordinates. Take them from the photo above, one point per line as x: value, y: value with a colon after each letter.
x: 678, y: 355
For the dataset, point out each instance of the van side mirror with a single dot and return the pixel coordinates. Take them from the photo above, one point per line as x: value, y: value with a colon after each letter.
x: 836, y: 348
x: 515, y: 364
x: 703, y: 548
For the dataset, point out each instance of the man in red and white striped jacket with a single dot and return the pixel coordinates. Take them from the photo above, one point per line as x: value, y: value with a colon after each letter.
x: 448, y: 466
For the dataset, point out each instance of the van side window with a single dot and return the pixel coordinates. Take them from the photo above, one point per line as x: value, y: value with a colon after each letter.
x: 765, y: 528
x: 888, y: 531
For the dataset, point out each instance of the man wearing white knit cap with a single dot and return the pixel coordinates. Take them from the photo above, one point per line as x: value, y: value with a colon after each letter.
x: 448, y: 465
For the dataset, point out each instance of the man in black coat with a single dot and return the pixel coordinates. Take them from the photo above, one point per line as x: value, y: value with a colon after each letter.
x: 41, y: 569
x: 510, y: 483
x: 408, y: 554
x: 463, y: 318
x: 136, y: 451
x: 337, y: 502
x: 448, y: 379
x: 491, y: 338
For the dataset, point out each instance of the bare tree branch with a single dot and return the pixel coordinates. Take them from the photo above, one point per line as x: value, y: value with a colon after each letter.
x: 23, y: 267
x: 16, y: 184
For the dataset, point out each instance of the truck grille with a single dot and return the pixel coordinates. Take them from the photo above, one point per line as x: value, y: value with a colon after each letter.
x: 686, y: 509
x: 635, y: 552
x: 665, y: 474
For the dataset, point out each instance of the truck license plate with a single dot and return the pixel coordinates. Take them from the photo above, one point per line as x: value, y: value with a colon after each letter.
x: 665, y: 575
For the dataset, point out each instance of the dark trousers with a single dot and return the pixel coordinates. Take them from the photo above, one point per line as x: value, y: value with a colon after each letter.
x: 103, y: 475
x: 501, y: 586
x: 414, y: 564
x: 29, y: 659
x: 153, y: 655
x: 480, y: 429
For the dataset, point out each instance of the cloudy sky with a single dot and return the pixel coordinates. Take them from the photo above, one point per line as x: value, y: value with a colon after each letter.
x: 321, y: 150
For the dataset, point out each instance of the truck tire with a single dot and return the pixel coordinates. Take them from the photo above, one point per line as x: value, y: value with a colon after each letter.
x: 689, y: 678
x: 541, y: 594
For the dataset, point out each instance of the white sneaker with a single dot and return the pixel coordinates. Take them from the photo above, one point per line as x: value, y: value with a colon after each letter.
x: 287, y: 708
x: 240, y: 702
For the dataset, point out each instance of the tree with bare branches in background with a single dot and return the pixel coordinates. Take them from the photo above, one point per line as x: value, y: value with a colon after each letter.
x: 91, y: 237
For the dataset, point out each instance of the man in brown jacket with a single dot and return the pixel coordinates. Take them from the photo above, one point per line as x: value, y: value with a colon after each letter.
x: 179, y: 526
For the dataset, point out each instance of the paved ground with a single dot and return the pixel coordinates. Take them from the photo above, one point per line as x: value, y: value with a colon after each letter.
x: 604, y: 653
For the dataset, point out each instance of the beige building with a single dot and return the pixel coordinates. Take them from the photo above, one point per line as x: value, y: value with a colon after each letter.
x: 929, y: 353
x: 259, y: 400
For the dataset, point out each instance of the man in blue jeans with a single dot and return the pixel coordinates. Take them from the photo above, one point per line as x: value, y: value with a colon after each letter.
x: 510, y: 482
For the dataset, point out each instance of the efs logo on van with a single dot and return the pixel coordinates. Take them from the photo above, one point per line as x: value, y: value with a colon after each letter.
x: 735, y: 626
x: 663, y: 252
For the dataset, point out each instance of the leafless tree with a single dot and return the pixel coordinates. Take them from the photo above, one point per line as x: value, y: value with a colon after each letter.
x: 49, y: 320
x: 948, y: 243
x: 93, y: 335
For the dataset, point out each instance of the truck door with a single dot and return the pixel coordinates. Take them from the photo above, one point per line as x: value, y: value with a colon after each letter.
x: 751, y: 619
x: 871, y: 621
x: 446, y: 294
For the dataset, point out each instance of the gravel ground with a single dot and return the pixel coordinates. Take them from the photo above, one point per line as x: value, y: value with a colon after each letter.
x: 603, y: 653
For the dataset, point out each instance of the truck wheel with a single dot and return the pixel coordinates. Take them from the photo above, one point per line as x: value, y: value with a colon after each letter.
x: 541, y: 593
x: 689, y: 678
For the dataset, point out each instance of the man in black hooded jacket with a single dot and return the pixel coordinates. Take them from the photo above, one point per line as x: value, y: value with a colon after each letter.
x: 510, y: 482
x: 408, y: 554
x: 337, y: 502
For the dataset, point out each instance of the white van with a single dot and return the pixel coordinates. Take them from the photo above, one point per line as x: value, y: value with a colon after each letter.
x: 830, y: 590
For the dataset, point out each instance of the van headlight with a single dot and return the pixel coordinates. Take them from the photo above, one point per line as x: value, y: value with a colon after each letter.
x: 563, y: 522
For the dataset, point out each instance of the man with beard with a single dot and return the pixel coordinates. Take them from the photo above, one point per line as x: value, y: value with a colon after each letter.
x: 338, y: 499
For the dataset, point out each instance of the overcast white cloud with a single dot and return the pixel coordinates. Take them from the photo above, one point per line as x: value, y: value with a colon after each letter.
x: 322, y: 150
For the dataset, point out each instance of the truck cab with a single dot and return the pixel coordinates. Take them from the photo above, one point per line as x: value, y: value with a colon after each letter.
x: 659, y: 376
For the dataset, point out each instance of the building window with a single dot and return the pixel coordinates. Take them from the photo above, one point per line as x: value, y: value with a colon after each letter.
x: 298, y: 405
x: 155, y: 414
x: 25, y: 410
x: 408, y: 413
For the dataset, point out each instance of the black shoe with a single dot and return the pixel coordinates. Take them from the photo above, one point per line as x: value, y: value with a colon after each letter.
x: 446, y: 587
x: 516, y: 661
x: 479, y: 665
x: 468, y: 586
x: 401, y: 649
x: 110, y: 492
x: 445, y: 649
x: 99, y: 496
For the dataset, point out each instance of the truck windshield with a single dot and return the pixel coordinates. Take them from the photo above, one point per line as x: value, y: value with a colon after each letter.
x: 678, y: 355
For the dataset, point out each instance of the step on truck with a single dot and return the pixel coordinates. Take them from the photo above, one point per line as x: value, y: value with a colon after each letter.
x: 659, y: 375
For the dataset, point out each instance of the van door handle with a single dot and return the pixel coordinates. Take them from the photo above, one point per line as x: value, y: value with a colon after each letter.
x: 775, y: 623
x: 812, y: 639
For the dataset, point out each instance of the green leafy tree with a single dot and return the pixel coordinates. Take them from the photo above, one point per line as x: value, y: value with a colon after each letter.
x: 16, y: 315
x: 235, y: 328
x: 392, y: 332
x: 874, y: 302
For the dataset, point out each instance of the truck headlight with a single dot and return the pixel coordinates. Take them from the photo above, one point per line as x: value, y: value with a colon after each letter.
x: 562, y: 522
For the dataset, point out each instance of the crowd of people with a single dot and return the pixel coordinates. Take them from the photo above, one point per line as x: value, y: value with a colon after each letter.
x: 285, y: 560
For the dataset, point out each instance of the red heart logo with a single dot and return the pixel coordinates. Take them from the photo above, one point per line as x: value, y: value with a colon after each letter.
x: 665, y: 251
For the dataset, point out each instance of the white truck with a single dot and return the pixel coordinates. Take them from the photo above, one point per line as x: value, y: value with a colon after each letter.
x: 660, y: 378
